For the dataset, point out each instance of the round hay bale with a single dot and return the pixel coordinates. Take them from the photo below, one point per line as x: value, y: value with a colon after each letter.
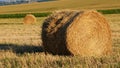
x: 29, y: 19
x: 84, y: 33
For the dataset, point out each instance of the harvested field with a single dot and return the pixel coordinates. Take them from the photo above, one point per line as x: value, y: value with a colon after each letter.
x: 13, y: 31
x: 15, y: 54
x: 60, y: 4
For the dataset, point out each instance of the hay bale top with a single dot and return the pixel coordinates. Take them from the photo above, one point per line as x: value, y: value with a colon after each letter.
x: 29, y: 19
x: 62, y: 17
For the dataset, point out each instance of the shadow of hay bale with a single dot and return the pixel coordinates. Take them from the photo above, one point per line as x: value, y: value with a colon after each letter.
x: 21, y: 49
x: 85, y: 33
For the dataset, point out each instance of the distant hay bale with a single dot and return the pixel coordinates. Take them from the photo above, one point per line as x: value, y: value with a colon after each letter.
x: 29, y: 19
x: 84, y: 33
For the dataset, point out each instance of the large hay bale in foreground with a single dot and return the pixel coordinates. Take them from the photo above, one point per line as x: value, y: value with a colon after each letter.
x: 84, y: 33
x: 29, y: 19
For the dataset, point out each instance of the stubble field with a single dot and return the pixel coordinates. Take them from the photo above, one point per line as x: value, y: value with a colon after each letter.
x: 60, y: 4
x: 21, y: 44
x: 20, y: 47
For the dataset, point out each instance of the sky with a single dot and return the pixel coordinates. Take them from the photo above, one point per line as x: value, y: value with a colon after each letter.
x: 7, y: 0
x: 2, y: 0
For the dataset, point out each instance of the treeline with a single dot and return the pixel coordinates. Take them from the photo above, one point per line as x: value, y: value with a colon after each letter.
x: 110, y: 11
x: 24, y: 14
x: 45, y: 14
